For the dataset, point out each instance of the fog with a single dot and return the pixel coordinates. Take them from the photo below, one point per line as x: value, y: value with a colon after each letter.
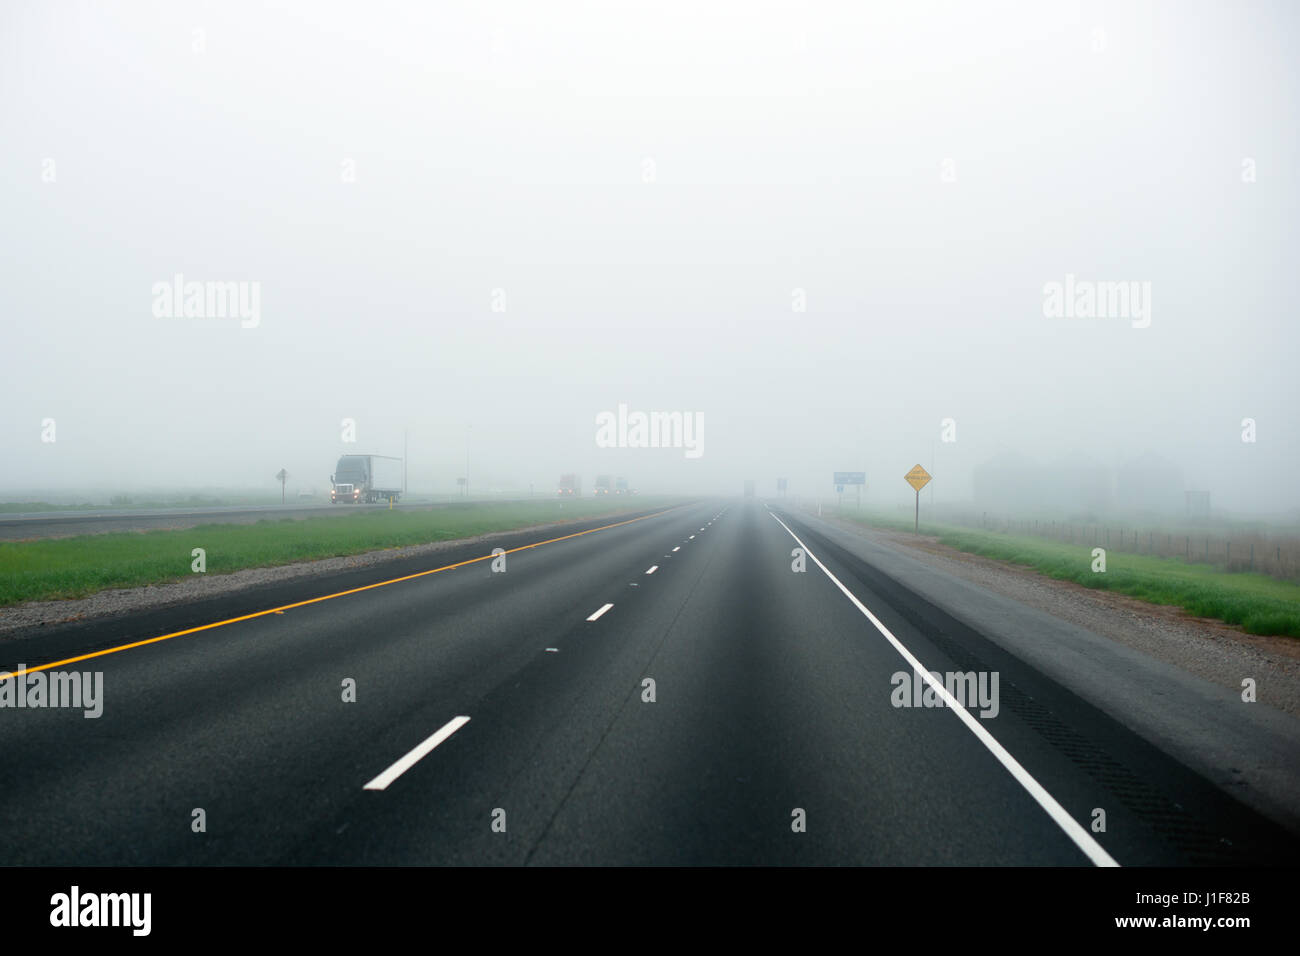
x: 819, y: 230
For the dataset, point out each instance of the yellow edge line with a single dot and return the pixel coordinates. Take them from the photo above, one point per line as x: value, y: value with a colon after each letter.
x: 6, y: 675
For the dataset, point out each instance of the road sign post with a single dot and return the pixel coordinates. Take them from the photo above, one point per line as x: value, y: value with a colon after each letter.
x: 843, y: 478
x: 282, y: 475
x: 918, y: 478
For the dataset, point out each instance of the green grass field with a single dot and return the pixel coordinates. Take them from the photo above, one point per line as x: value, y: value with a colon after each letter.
x: 1257, y: 603
x: 75, y: 567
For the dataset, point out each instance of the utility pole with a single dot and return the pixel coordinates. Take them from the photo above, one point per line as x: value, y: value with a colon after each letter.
x: 405, y: 444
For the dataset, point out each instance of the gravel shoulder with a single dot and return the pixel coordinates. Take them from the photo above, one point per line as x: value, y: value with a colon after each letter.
x: 1210, y: 649
x: 1173, y: 679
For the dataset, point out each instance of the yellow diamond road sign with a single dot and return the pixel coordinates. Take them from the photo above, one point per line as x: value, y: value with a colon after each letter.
x: 918, y: 477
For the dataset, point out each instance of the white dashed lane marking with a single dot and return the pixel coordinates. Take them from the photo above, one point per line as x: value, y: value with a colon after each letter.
x: 411, y: 759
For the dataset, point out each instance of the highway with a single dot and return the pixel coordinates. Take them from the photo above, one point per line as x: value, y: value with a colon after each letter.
x: 504, y: 717
x: 23, y: 526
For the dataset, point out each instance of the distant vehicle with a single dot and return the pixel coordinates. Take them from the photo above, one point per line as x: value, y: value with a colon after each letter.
x: 366, y: 478
x: 604, y: 485
x: 570, y: 486
x: 749, y: 488
x: 305, y: 494
x: 620, y: 487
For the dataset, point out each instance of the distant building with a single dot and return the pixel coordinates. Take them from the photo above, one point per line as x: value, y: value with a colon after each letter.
x: 1149, y: 483
x: 1011, y: 483
x: 1005, y: 482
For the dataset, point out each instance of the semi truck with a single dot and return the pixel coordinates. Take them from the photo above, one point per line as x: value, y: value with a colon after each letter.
x: 621, y: 487
x: 570, y: 486
x: 366, y: 479
x: 604, y: 485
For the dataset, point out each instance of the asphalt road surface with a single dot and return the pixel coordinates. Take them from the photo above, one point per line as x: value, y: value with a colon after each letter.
x: 505, y: 718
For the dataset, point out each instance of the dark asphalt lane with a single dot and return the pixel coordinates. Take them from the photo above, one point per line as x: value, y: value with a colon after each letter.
x: 772, y: 703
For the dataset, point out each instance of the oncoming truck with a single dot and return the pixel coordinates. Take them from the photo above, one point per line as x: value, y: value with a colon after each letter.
x: 570, y: 486
x: 366, y: 478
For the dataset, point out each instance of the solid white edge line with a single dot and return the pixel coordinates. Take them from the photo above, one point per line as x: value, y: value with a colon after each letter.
x: 600, y: 612
x: 1081, y: 837
x: 678, y: 548
x: 406, y: 763
x: 652, y: 569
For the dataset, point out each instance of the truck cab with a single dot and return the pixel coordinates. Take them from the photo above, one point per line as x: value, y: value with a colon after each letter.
x: 345, y: 492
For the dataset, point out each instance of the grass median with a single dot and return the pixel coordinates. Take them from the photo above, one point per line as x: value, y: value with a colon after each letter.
x: 75, y: 567
x: 1257, y: 603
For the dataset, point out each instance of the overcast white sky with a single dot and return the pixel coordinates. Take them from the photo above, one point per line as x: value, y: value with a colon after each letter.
x: 507, y: 146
